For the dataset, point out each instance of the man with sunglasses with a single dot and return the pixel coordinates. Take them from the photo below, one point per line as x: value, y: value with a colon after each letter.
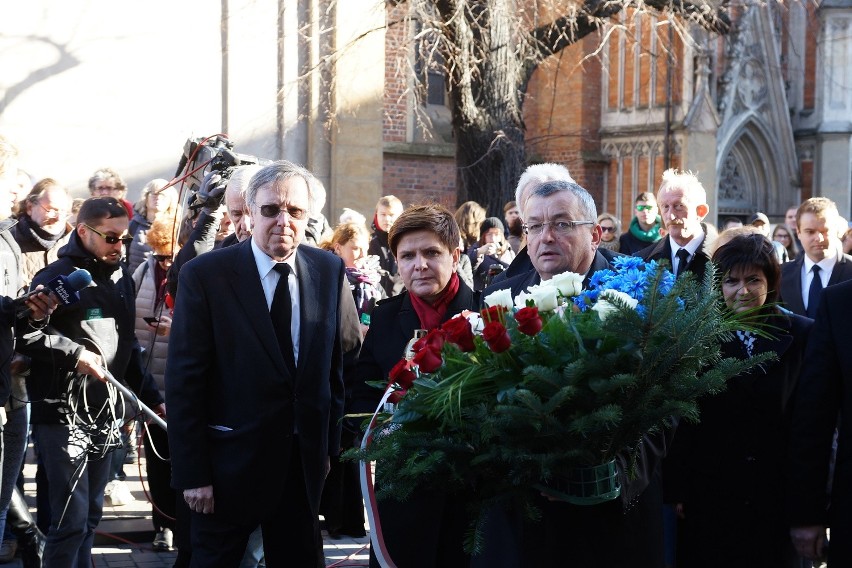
x: 72, y: 416
x: 254, y: 380
x: 644, y: 227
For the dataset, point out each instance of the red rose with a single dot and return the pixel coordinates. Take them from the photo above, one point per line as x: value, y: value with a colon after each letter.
x: 433, y: 340
x: 529, y: 322
x: 397, y: 395
x: 494, y: 313
x: 458, y: 331
x: 428, y: 359
x: 402, y: 374
x: 495, y: 335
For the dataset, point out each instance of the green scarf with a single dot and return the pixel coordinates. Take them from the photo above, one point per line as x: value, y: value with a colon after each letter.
x: 652, y: 235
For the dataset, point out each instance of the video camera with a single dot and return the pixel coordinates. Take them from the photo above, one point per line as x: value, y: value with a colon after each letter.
x: 202, y: 156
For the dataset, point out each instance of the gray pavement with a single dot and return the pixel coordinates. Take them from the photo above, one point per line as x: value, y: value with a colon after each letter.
x: 125, y: 533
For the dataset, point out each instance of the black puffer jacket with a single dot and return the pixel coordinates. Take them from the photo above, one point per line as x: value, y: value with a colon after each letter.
x: 102, y: 321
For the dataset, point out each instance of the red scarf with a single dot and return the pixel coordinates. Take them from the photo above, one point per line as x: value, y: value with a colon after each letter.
x: 431, y: 315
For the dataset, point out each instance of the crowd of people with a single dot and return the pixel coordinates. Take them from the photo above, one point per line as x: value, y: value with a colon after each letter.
x: 259, y: 325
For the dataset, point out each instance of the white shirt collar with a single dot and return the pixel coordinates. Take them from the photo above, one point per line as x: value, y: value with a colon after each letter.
x: 265, y: 263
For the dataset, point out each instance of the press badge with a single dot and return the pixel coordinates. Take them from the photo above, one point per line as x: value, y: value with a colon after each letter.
x: 94, y: 313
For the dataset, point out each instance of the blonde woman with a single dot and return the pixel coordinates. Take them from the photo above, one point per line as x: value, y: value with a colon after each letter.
x: 157, y: 202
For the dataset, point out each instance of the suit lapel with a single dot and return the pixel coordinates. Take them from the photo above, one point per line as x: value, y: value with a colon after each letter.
x: 249, y: 293
x: 795, y: 302
x: 407, y: 318
x: 309, y: 302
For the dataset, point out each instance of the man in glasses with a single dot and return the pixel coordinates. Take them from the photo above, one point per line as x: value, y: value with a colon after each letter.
x: 254, y: 380
x: 683, y: 205
x: 73, y: 424
x: 562, y: 234
x: 644, y: 227
x: 106, y: 182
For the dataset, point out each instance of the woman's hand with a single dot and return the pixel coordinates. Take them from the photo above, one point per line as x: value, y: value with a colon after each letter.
x: 162, y: 327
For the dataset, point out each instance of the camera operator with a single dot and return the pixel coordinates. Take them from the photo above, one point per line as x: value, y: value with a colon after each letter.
x: 74, y: 418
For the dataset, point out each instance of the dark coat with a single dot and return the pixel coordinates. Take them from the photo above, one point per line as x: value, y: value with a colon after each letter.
x: 426, y: 530
x: 624, y: 533
x: 823, y: 395
x: 102, y: 321
x: 729, y: 469
x: 791, y: 281
x: 233, y: 404
x: 628, y: 243
x: 662, y: 250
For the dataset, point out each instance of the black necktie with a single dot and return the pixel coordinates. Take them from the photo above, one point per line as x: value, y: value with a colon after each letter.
x: 282, y: 313
x: 814, y: 293
x: 682, y: 255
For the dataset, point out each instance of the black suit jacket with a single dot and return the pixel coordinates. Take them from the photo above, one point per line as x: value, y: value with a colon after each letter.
x: 233, y: 407
x: 791, y: 281
x: 823, y: 394
x: 662, y: 250
x: 520, y: 281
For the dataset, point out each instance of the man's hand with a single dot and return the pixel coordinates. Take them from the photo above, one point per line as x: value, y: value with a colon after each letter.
x: 199, y: 499
x: 42, y: 304
x: 809, y: 541
x: 92, y: 364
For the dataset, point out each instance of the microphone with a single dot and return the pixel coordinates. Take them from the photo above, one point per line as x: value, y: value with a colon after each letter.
x: 65, y: 288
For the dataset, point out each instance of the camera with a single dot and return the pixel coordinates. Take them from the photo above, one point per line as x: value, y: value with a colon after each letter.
x: 202, y: 156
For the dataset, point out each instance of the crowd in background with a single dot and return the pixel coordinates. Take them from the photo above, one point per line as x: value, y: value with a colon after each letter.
x: 476, y: 251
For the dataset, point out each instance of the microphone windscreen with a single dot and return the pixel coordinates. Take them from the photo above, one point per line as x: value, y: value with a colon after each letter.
x: 79, y: 279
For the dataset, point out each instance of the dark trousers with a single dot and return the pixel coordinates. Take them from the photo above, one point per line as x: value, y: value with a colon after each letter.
x: 159, y: 477
x: 291, y: 535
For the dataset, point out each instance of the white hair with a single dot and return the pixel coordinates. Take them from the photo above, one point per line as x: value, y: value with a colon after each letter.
x: 693, y: 191
x: 352, y: 216
x: 537, y: 174
x: 240, y: 178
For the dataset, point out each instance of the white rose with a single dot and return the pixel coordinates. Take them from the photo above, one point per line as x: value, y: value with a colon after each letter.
x: 603, y: 309
x: 570, y: 284
x: 625, y: 298
x: 521, y: 300
x: 545, y: 295
x: 499, y: 298
x: 476, y: 323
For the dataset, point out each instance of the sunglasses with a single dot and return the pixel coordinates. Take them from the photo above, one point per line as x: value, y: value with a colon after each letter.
x: 644, y: 207
x: 162, y: 257
x: 126, y: 240
x: 607, y: 229
x: 273, y: 211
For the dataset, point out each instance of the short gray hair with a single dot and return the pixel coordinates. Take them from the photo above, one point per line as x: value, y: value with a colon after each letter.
x: 275, y: 173
x: 688, y: 182
x: 587, y: 204
x: 240, y: 178
x: 538, y: 174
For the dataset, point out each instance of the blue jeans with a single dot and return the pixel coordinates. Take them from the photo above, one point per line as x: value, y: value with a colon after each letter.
x: 76, y: 494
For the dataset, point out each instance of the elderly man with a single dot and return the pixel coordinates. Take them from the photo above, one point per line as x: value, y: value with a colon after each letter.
x: 254, y: 380
x: 562, y: 235
x: 683, y: 206
x: 235, y: 203
x: 106, y: 182
x: 821, y: 263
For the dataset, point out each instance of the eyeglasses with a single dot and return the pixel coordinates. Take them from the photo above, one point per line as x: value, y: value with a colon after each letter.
x: 558, y: 227
x: 607, y: 229
x: 644, y: 207
x: 51, y: 212
x: 273, y: 211
x: 162, y: 257
x: 111, y: 240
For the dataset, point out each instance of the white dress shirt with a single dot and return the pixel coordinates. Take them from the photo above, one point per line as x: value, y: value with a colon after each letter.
x: 269, y: 280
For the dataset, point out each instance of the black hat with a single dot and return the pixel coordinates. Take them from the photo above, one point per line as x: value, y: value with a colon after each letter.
x: 490, y: 223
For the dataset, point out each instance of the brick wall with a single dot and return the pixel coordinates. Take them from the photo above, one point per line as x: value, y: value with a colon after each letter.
x: 396, y: 84
x: 420, y: 179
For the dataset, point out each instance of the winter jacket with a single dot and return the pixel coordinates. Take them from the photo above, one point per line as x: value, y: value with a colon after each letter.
x: 36, y: 252
x: 102, y: 321
x: 9, y: 289
x: 138, y: 251
x: 155, y: 347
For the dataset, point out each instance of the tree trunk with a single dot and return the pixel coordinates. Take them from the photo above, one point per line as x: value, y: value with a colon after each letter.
x: 486, y: 92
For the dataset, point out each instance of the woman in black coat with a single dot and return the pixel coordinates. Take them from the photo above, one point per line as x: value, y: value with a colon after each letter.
x: 726, y: 474
x: 426, y: 530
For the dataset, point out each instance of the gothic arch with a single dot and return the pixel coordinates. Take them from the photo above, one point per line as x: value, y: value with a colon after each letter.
x: 748, y: 172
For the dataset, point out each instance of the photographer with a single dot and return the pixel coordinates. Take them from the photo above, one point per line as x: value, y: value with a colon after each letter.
x: 491, y: 253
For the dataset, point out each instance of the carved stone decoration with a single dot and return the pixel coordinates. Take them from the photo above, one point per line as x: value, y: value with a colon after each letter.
x: 751, y: 86
x: 731, y: 183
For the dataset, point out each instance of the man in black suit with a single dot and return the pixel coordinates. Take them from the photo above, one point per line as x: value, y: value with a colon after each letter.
x: 683, y: 205
x: 822, y: 400
x: 254, y: 380
x: 562, y: 235
x: 821, y: 263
